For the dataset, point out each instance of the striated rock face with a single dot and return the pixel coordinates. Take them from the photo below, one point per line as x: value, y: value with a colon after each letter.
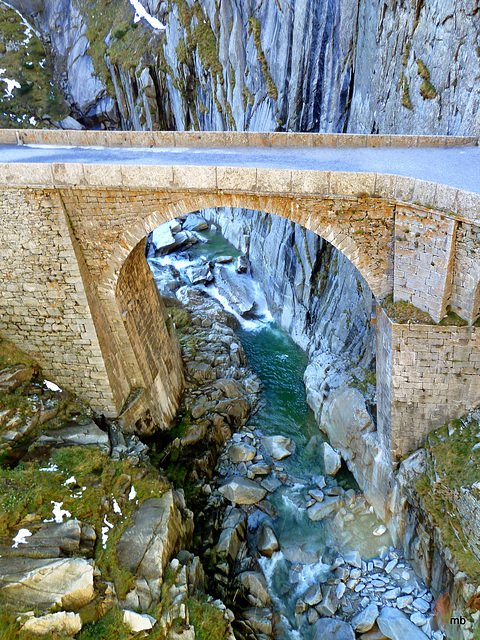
x: 417, y: 68
x: 354, y: 65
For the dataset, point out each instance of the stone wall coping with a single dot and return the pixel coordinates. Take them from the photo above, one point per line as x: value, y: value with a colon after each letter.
x: 218, y: 139
x: 453, y: 203
x: 422, y: 329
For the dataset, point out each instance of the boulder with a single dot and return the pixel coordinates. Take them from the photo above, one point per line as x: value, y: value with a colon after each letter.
x: 322, y: 509
x: 396, y: 626
x: 62, y: 623
x: 255, y: 584
x: 147, y: 545
x: 52, y: 540
x: 329, y: 604
x: 43, y: 583
x: 345, y: 417
x: 313, y: 595
x: 138, y: 622
x: 223, y: 259
x: 260, y: 620
x: 194, y: 222
x: 199, y: 275
x: 163, y: 238
x: 278, y: 447
x: 333, y: 629
x: 184, y: 238
x: 365, y: 620
x: 83, y: 432
x: 237, y: 290
x: 331, y: 460
x: 242, y: 491
x: 241, y: 453
x: 241, y: 264
x: 13, y: 377
x: 267, y: 541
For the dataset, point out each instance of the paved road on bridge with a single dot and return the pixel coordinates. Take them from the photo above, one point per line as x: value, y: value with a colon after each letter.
x: 454, y: 166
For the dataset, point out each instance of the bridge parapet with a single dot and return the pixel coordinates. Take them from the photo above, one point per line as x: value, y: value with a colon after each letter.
x: 219, y: 139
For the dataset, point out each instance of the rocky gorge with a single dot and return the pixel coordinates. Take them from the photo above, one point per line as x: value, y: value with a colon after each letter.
x: 288, y: 66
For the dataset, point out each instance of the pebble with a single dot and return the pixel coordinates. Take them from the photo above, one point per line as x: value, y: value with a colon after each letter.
x: 391, y: 565
x: 379, y: 531
x: 418, y: 619
x: 421, y: 605
x: 392, y: 594
x: 404, y: 601
x: 340, y: 590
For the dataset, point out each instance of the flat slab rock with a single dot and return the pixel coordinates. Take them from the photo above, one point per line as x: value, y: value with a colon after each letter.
x: 334, y: 629
x: 278, y: 447
x: 396, y: 626
x: 242, y: 490
x: 146, y: 546
x: 63, y: 622
x: 64, y: 582
x: 84, y: 432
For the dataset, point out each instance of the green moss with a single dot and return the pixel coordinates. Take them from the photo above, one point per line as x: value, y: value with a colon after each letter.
x: 110, y: 627
x: 26, y: 61
x: 405, y: 312
x: 451, y: 464
x: 27, y: 490
x: 427, y: 90
x: 208, y: 620
x: 406, y: 53
x: 247, y: 97
x: 110, y: 20
x: 406, y: 102
x: 453, y: 319
x: 422, y: 70
x: 255, y: 30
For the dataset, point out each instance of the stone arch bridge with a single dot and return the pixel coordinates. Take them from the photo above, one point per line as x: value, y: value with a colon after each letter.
x: 77, y: 293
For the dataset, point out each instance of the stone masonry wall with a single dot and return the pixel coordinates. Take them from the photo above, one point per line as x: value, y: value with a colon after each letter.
x: 466, y: 275
x: 434, y: 377
x: 156, y: 347
x: 43, y: 303
x: 423, y: 239
x: 468, y: 506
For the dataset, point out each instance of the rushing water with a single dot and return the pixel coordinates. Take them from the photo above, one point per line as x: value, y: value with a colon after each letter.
x: 280, y: 364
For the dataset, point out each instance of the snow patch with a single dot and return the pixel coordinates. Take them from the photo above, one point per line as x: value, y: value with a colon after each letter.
x: 58, y: 513
x: 132, y: 495
x: 51, y: 467
x: 140, y: 12
x: 21, y: 538
x: 70, y: 480
x: 116, y: 507
x: 51, y: 385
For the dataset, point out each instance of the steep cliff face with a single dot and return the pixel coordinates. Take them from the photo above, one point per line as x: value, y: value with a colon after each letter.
x: 314, y: 292
x: 316, y: 65
x: 417, y: 68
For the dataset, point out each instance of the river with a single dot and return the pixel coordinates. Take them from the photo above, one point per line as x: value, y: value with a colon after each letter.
x: 307, y: 548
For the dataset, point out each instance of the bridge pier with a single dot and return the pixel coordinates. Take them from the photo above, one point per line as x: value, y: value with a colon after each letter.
x: 426, y: 376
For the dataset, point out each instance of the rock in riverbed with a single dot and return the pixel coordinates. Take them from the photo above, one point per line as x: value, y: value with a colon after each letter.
x: 243, y: 491
x: 278, y: 447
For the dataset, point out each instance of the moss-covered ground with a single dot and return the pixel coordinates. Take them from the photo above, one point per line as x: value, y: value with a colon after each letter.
x: 26, y: 61
x: 452, y: 463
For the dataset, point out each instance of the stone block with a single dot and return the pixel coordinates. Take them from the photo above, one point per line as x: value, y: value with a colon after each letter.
x: 385, y: 185
x: 351, y: 140
x: 149, y: 176
x: 324, y: 139
x: 378, y: 140
x: 404, y: 187
x: 468, y: 205
x: 235, y: 139
x: 349, y: 183
x: 299, y: 140
x: 8, y: 136
x: 197, y: 178
x: 103, y: 175
x: 274, y: 180
x: 68, y: 174
x: 236, y: 178
x: 314, y: 182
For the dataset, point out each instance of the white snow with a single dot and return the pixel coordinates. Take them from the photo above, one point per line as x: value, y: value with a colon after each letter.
x: 132, y: 494
x: 116, y: 507
x: 105, y: 531
x: 29, y: 26
x: 58, y: 513
x: 51, y: 467
x: 51, y: 385
x: 140, y: 13
x: 109, y: 524
x: 21, y: 537
x: 32, y: 121
x: 70, y: 480
x: 11, y: 85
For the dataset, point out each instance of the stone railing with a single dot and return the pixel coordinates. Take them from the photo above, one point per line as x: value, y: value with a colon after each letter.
x: 218, y: 139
